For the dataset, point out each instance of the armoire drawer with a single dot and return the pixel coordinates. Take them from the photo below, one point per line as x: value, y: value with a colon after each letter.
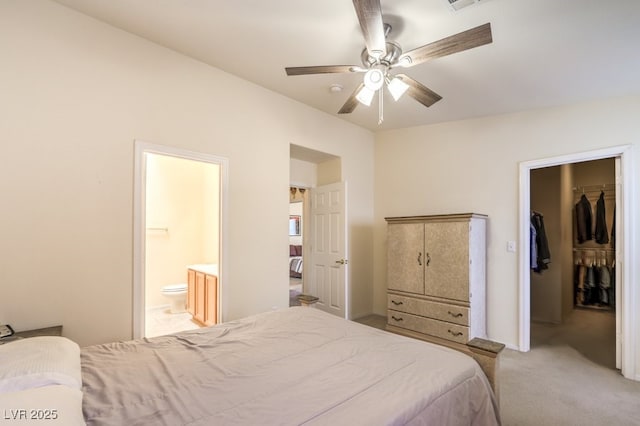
x: 432, y: 327
x: 426, y: 308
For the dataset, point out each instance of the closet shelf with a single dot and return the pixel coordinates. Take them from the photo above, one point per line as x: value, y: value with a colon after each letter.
x: 604, y: 187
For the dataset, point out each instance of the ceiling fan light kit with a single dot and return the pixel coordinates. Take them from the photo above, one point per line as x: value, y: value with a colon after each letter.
x: 381, y: 56
x: 397, y: 87
x: 365, y: 95
x: 374, y: 78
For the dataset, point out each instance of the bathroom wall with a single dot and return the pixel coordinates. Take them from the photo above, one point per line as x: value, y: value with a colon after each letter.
x: 182, y: 206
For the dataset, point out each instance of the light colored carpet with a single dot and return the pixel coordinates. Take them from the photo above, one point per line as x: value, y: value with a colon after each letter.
x: 568, y: 377
x: 295, y: 289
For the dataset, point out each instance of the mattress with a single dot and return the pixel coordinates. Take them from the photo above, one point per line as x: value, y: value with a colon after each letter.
x: 288, y: 367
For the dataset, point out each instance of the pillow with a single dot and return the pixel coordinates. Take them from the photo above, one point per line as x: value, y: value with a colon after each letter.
x: 50, y: 405
x: 39, y: 361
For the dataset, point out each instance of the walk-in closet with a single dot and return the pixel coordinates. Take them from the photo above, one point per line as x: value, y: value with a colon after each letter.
x: 573, y: 258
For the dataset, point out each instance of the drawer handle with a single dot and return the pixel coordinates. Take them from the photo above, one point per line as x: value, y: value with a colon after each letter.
x: 458, y: 315
x: 396, y: 303
x: 396, y: 319
x: 420, y: 258
x: 455, y: 333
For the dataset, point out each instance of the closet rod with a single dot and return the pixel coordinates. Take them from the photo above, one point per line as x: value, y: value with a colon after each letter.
x: 594, y: 249
x: 594, y: 187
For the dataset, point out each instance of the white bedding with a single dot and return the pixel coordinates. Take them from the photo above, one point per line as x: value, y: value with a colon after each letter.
x: 294, y: 366
x: 50, y: 405
x: 39, y: 361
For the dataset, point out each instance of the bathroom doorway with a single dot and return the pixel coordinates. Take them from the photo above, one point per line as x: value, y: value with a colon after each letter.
x: 178, y: 213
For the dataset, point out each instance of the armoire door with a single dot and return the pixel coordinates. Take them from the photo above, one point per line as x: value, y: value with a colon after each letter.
x: 406, y: 258
x: 447, y: 260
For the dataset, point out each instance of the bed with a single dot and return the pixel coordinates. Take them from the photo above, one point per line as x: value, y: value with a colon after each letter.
x: 292, y: 366
x: 295, y: 261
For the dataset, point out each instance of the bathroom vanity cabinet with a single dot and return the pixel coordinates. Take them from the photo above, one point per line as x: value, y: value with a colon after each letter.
x: 202, y: 295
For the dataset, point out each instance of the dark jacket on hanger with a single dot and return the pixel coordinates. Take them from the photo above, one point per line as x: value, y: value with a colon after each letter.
x: 601, y: 235
x: 613, y: 228
x: 584, y: 219
x: 542, y: 246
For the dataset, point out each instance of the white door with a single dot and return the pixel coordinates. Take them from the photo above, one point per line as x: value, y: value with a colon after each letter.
x: 620, y: 257
x: 328, y: 267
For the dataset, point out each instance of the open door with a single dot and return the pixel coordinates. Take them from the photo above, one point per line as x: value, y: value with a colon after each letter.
x: 619, y: 255
x: 328, y: 267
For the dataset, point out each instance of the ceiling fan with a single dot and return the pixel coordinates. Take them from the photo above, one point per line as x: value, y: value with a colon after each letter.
x: 381, y: 56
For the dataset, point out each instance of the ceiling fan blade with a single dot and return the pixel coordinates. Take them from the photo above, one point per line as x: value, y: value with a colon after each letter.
x: 323, y: 69
x: 370, y: 17
x: 419, y: 92
x: 352, y: 102
x: 465, y: 40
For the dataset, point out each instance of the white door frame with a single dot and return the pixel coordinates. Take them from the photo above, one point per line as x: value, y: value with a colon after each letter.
x: 625, y: 312
x: 139, y: 223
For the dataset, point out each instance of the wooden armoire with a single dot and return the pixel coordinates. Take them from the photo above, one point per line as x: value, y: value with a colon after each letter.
x: 436, y: 277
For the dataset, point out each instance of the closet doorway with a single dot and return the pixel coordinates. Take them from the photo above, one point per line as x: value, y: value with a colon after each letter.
x: 573, y: 277
x: 624, y: 274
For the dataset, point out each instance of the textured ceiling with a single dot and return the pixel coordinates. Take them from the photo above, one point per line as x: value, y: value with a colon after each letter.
x: 544, y: 52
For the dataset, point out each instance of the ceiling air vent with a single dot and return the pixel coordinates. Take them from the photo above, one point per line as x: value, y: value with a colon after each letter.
x: 456, y: 5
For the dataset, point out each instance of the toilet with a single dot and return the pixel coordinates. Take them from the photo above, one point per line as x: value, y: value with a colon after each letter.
x: 177, y: 294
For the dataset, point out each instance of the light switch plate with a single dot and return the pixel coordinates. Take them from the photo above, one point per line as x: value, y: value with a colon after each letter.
x: 511, y: 246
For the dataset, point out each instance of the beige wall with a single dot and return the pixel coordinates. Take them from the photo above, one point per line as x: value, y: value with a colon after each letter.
x: 546, y: 285
x: 473, y: 166
x: 330, y: 171
x: 76, y: 93
x: 303, y: 173
x: 182, y: 196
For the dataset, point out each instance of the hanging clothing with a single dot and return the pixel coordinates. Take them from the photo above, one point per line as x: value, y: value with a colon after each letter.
x: 613, y: 228
x: 591, y: 294
x: 605, y: 285
x: 543, y: 257
x: 534, y: 247
x: 584, y: 219
x: 612, y: 287
x: 579, y: 280
x: 601, y: 235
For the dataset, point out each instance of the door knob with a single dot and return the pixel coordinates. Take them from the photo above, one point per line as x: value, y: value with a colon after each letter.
x: 342, y: 261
